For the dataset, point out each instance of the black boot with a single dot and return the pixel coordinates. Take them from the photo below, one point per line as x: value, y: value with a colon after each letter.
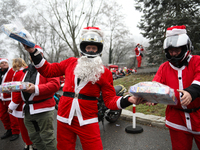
x: 14, y: 137
x: 7, y: 134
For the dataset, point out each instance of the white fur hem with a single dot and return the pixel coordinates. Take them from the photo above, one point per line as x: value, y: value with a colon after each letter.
x: 40, y: 64
x: 13, y: 106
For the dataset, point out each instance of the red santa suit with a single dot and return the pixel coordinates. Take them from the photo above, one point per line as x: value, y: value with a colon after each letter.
x: 9, y: 121
x: 43, y: 88
x: 181, y: 78
x: 38, y: 103
x: 18, y: 112
x: 138, y: 55
x: 77, y: 114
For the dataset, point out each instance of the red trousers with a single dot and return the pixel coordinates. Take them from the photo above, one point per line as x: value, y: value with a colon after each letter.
x: 89, y: 136
x: 8, y: 120
x: 182, y: 140
x: 139, y: 60
x: 24, y: 132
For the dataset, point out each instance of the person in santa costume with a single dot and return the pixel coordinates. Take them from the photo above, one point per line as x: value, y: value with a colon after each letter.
x: 85, y: 78
x: 9, y: 121
x: 182, y: 73
x: 39, y: 106
x: 138, y: 54
x: 18, y: 66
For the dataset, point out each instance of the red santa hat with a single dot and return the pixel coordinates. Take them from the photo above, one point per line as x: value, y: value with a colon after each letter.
x: 176, y: 30
x: 92, y: 29
x: 3, y: 59
x: 39, y: 49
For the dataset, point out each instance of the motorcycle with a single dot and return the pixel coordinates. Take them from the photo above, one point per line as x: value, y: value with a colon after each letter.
x: 103, y: 112
x: 56, y: 98
x: 110, y: 115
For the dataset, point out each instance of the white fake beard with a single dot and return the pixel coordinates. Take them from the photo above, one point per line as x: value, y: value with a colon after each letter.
x: 89, y: 69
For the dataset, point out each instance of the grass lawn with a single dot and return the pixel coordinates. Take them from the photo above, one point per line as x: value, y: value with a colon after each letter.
x: 127, y: 81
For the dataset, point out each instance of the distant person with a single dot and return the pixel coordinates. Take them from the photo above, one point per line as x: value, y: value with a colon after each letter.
x: 9, y: 121
x: 182, y: 73
x: 134, y: 70
x: 138, y: 54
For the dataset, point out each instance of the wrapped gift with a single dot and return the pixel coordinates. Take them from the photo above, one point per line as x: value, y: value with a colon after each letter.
x: 154, y: 92
x: 16, y: 31
x: 8, y: 87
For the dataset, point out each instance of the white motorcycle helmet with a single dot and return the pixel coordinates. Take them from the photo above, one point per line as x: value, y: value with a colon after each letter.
x: 91, y: 36
x: 176, y: 37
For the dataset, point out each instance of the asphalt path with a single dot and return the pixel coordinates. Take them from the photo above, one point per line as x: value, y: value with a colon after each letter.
x: 114, y: 137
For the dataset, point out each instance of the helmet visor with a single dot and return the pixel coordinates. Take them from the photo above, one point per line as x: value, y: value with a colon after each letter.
x: 92, y: 37
x: 176, y: 41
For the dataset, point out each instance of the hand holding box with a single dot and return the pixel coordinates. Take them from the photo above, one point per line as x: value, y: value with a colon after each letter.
x: 154, y: 92
x: 16, y: 86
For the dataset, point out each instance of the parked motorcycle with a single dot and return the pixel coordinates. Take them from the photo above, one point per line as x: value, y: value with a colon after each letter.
x: 56, y: 98
x: 103, y: 112
x: 110, y: 115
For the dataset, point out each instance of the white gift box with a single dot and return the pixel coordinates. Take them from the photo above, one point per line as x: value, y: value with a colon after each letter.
x: 154, y: 92
x: 8, y: 87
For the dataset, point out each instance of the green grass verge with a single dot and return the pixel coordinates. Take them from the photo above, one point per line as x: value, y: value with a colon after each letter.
x: 127, y: 81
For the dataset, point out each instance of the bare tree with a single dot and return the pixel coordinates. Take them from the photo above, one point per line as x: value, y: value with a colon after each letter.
x: 9, y: 9
x: 67, y: 18
x: 45, y: 37
x: 59, y: 50
x: 118, y: 32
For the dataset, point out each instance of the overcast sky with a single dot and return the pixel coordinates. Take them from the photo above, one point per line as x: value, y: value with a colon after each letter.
x: 132, y: 18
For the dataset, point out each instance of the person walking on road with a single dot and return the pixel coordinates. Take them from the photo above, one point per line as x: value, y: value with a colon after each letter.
x: 139, y: 54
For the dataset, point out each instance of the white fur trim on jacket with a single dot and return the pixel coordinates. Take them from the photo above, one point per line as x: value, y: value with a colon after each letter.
x: 180, y: 127
x: 18, y: 114
x: 13, y: 106
x: 40, y: 64
x: 118, y: 103
x: 36, y: 90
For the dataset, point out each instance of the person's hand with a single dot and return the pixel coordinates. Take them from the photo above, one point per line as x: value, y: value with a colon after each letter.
x: 135, y: 100
x: 29, y: 49
x: 186, y: 98
x: 30, y: 89
x: 150, y: 104
x: 10, y: 110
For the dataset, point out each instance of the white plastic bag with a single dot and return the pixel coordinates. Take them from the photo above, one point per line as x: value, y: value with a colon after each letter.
x: 17, y: 31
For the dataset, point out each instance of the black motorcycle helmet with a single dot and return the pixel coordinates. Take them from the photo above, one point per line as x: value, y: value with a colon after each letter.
x: 176, y: 37
x: 91, y: 36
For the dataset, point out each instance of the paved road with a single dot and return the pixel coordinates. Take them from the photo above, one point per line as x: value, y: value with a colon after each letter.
x: 114, y: 138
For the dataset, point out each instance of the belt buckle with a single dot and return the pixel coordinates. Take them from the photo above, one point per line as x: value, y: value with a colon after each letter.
x: 76, y: 95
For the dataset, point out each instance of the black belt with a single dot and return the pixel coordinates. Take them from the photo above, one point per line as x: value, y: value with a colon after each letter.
x: 27, y: 108
x: 79, y: 96
x: 34, y: 102
x: 190, y: 110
